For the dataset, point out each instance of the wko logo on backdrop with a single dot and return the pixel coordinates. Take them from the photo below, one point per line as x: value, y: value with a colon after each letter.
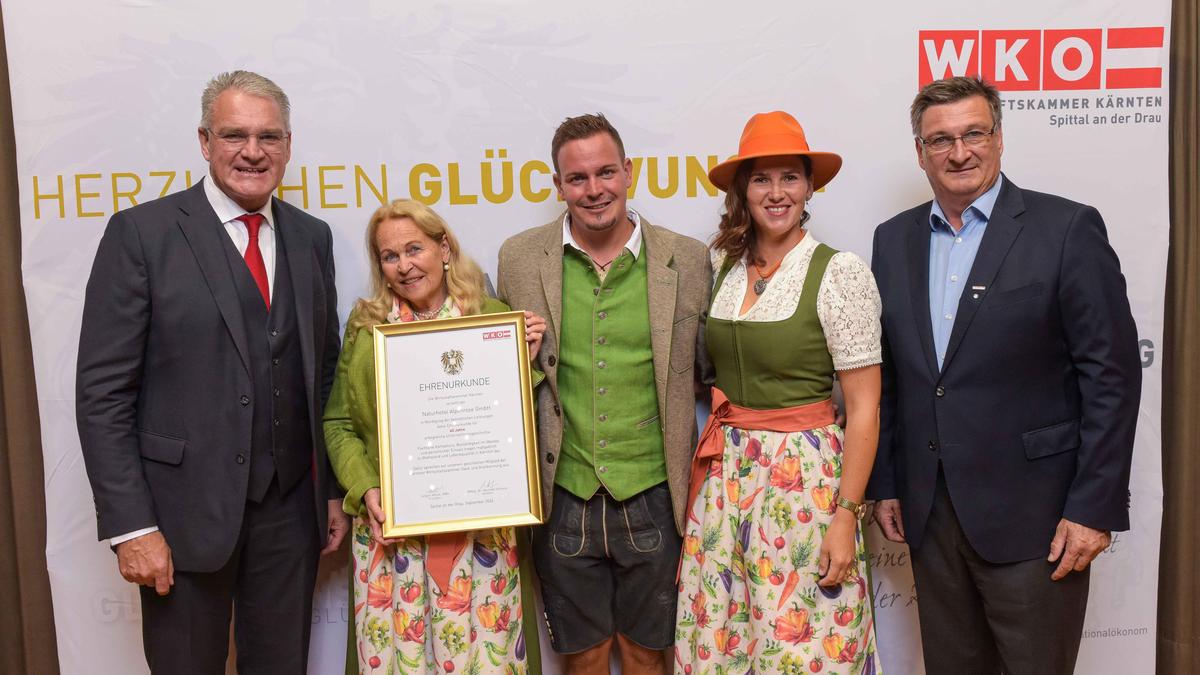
x: 1047, y: 60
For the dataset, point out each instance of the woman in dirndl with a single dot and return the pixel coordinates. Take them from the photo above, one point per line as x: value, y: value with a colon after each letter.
x: 773, y: 575
x: 445, y: 603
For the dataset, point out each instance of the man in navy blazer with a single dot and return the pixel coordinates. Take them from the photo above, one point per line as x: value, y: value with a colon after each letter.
x: 207, y: 351
x: 1011, y: 386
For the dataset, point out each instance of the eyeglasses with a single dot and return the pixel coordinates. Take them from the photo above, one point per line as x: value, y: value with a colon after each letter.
x: 940, y: 144
x: 270, y: 141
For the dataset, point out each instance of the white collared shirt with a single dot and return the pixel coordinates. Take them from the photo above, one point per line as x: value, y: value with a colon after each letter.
x: 634, y: 245
x: 227, y: 212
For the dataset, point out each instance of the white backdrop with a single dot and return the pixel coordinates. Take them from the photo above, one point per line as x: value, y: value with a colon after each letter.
x: 456, y: 103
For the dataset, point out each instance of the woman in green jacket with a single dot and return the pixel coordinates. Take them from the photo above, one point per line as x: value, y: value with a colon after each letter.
x: 431, y: 604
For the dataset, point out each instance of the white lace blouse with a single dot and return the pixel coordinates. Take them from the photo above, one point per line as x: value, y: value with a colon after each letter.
x: 848, y: 304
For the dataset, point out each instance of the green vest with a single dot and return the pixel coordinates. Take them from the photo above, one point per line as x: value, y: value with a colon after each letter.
x: 612, y: 434
x: 775, y: 364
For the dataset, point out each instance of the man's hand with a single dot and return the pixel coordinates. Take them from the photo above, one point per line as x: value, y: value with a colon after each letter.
x: 146, y: 560
x: 1075, y: 546
x: 339, y: 527
x: 887, y: 516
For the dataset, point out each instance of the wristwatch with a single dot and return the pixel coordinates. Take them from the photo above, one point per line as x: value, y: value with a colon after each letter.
x: 859, y: 510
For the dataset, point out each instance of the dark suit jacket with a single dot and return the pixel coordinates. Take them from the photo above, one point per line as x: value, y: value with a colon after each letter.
x: 163, y: 380
x: 1032, y: 415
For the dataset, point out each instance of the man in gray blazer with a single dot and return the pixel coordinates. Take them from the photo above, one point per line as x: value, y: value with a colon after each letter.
x: 207, y: 350
x: 627, y: 302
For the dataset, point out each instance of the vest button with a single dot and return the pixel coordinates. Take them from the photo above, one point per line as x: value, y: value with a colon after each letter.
x: 557, y: 410
x: 274, y: 332
x: 601, y: 364
x: 274, y: 362
x: 602, y: 391
x: 595, y: 291
x: 940, y: 391
x: 245, y: 400
x: 603, y: 417
x: 550, y: 360
x: 240, y: 459
x: 602, y: 314
x: 601, y: 340
x: 276, y: 392
x: 933, y: 445
x: 602, y: 444
x: 276, y: 421
x: 549, y: 458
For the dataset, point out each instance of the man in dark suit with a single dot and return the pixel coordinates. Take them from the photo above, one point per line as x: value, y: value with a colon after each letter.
x: 1011, y: 388
x: 208, y: 348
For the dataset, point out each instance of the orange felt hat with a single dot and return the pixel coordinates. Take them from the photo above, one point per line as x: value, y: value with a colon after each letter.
x: 771, y: 134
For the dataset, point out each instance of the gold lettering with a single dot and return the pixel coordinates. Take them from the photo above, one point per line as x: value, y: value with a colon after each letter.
x: 527, y: 171
x: 360, y: 177
x: 456, y: 197
x: 697, y: 175
x: 170, y: 176
x: 131, y: 194
x: 428, y: 192
x: 652, y: 178
x: 302, y: 188
x: 323, y: 187
x: 80, y: 195
x: 38, y: 196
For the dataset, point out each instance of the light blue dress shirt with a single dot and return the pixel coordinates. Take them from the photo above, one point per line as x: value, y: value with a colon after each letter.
x: 951, y: 255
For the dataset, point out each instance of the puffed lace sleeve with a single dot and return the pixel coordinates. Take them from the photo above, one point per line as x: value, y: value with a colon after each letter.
x: 848, y: 306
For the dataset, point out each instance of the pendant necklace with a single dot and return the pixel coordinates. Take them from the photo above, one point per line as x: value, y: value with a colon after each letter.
x: 760, y: 286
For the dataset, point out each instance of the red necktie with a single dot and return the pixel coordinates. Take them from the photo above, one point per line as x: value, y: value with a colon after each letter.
x: 254, y: 259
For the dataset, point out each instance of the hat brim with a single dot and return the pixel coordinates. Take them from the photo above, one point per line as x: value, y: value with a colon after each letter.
x: 825, y: 165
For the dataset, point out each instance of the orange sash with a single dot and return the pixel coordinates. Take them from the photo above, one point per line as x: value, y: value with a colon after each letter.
x: 712, y: 441
x: 443, y: 552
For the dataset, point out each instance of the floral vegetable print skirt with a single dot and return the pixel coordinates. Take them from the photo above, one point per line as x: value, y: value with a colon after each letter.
x: 405, y: 624
x: 749, y: 599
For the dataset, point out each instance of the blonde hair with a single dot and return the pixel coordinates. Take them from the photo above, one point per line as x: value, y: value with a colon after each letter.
x: 464, y: 279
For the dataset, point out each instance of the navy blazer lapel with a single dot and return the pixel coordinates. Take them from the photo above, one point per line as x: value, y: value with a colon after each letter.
x: 297, y: 245
x: 1002, y: 231
x: 918, y: 285
x: 203, y: 232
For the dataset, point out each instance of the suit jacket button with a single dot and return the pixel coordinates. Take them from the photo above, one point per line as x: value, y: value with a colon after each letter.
x: 245, y: 400
x: 940, y: 391
x: 932, y: 445
x: 240, y: 459
x: 550, y: 360
x: 549, y: 458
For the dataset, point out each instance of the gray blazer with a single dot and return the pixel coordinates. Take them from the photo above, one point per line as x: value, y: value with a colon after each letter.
x: 679, y: 283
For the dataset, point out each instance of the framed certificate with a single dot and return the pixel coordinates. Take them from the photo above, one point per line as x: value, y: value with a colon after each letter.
x: 457, y: 445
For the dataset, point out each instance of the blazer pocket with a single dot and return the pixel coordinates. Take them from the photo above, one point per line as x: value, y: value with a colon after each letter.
x: 683, y: 343
x: 1051, y: 440
x: 1015, y: 295
x: 160, y: 448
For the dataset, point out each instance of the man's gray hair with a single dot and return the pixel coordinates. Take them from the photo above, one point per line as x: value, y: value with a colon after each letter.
x: 247, y: 82
x: 953, y: 90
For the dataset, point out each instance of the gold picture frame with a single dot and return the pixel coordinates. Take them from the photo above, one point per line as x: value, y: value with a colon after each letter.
x: 462, y: 389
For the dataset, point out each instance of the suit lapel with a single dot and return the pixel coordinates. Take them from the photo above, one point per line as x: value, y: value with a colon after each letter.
x: 660, y: 292
x: 203, y: 232
x: 1002, y: 231
x: 918, y: 285
x: 552, y: 278
x: 297, y: 245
